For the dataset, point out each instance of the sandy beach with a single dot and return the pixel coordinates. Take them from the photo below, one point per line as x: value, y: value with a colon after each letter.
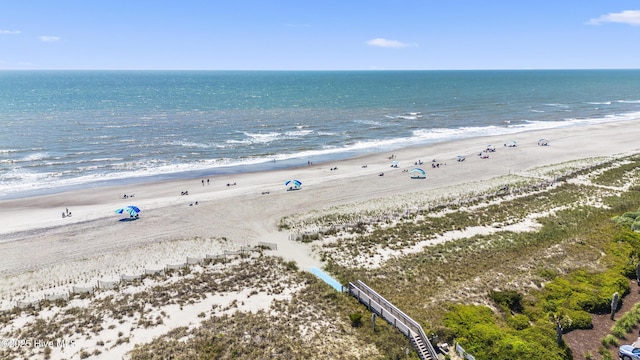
x: 41, y: 249
x: 34, y: 236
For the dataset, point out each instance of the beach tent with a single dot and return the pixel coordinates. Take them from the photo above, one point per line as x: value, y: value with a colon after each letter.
x: 394, y: 164
x: 491, y: 148
x: 293, y: 184
x: 418, y: 173
x: 543, y: 142
x: 513, y: 143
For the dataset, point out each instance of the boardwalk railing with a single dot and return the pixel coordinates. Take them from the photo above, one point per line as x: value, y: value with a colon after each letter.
x: 394, y: 316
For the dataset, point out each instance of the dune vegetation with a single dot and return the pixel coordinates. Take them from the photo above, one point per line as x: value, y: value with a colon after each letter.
x: 497, y: 271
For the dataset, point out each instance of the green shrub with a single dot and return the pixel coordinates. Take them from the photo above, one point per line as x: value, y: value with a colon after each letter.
x: 585, y: 291
x: 509, y: 298
x: 576, y: 319
x: 291, y: 265
x: 627, y: 323
x: 587, y: 301
x: 605, y: 353
x: 518, y: 322
x: 618, y: 332
x: 609, y: 340
x: 356, y: 319
x: 479, y: 332
x: 547, y: 274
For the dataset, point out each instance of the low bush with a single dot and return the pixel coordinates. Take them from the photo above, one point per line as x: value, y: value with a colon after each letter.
x: 477, y: 329
x: 609, y: 340
x: 518, y: 322
x: 356, y: 319
x: 509, y: 298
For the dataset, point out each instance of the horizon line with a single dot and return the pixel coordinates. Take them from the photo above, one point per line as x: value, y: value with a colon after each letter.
x: 326, y: 70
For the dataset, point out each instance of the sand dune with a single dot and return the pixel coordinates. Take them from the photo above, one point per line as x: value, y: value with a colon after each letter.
x: 44, y: 254
x: 35, y: 237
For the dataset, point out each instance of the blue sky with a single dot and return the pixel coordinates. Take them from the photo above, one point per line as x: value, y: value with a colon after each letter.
x: 319, y: 35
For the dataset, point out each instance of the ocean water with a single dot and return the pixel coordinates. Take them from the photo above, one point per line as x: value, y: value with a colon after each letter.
x: 66, y: 129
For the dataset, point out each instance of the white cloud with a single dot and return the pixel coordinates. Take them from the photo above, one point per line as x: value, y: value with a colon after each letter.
x: 9, y: 32
x: 630, y: 17
x: 49, y: 38
x: 380, y: 42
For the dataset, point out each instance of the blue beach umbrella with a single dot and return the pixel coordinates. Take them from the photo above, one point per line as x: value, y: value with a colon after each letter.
x: 418, y: 173
x: 131, y: 210
x: 134, y: 208
x: 293, y: 184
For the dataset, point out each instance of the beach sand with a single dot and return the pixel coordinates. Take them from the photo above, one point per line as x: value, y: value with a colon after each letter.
x: 34, y: 236
x: 40, y: 248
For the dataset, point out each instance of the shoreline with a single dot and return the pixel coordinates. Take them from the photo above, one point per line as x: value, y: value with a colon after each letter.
x: 47, y: 257
x: 35, y: 237
x: 98, y: 202
x: 292, y: 161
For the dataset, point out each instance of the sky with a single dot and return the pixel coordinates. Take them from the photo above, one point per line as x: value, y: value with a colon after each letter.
x: 319, y: 34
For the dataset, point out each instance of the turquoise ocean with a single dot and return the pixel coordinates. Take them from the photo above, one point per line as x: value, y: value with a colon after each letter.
x: 61, y: 130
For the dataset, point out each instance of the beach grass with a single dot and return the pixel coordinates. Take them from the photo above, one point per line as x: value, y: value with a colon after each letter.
x: 492, y: 263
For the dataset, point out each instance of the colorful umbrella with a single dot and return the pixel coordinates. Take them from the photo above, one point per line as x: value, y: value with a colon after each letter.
x: 293, y: 184
x: 131, y: 210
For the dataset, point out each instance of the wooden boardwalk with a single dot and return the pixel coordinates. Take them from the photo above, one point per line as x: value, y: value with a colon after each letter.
x: 386, y: 310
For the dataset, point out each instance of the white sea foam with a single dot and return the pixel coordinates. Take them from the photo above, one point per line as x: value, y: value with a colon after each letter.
x: 190, y: 144
x: 34, y: 157
x: 560, y: 106
x: 298, y: 133
x: 265, y: 138
x: 369, y: 122
x: 138, y: 133
x: 106, y: 159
